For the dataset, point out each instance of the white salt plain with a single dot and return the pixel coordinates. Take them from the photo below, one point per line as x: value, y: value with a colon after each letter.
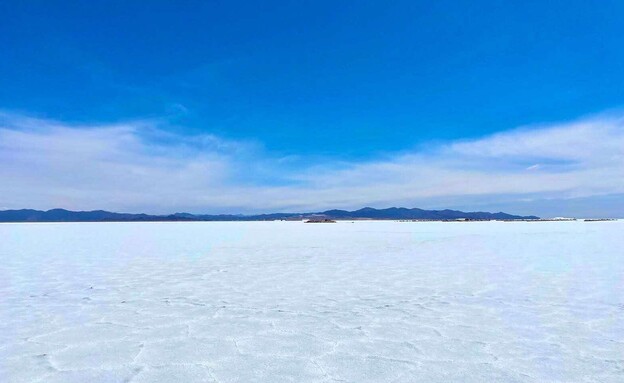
x: 294, y: 302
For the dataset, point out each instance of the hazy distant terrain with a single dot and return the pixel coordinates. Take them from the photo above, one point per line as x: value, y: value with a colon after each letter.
x: 289, y: 302
x: 62, y: 215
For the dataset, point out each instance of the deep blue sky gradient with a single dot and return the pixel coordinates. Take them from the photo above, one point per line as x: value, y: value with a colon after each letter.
x: 333, y: 78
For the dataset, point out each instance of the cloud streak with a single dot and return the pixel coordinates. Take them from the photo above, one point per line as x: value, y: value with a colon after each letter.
x: 140, y: 166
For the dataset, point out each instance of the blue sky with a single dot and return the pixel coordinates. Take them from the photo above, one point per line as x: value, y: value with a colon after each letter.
x: 280, y: 97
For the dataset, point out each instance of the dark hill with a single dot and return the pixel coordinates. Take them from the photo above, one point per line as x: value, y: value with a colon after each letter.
x: 62, y: 215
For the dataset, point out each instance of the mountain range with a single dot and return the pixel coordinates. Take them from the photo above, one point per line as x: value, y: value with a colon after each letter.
x: 393, y: 213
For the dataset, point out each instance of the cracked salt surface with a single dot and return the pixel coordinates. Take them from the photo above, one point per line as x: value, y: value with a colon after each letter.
x: 288, y: 302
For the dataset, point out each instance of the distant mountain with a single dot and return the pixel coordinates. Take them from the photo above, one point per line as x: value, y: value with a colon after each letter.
x: 415, y: 213
x: 62, y: 215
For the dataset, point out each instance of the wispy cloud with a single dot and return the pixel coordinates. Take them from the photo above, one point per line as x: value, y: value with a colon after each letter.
x: 139, y: 166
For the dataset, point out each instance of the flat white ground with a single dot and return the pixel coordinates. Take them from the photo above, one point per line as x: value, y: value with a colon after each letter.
x: 293, y: 302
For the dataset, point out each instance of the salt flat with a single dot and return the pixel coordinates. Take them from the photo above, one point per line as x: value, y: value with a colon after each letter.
x: 294, y: 302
